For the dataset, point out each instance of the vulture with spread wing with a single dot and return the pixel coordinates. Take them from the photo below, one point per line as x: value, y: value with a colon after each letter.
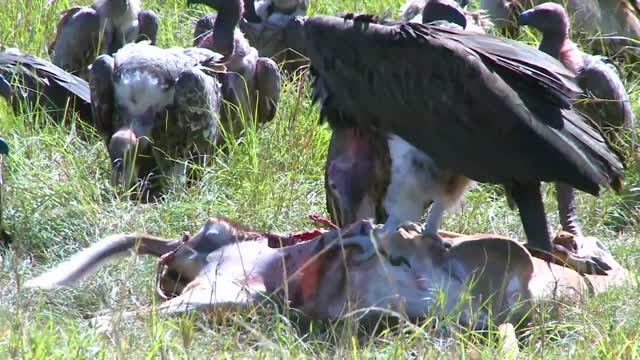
x: 84, y: 32
x: 154, y: 106
x: 374, y: 175
x: 490, y: 109
x: 252, y: 82
x: 28, y: 82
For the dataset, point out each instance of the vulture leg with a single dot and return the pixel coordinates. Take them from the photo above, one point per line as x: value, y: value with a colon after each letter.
x: 268, y: 85
x: 434, y: 220
x: 148, y: 26
x: 566, y: 198
x: 529, y: 201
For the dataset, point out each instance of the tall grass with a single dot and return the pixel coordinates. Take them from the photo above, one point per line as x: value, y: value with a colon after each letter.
x: 59, y: 200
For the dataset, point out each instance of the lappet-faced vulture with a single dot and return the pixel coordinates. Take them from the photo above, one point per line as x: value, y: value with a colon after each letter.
x: 373, y: 175
x: 491, y: 109
x: 429, y: 11
x: 84, y: 32
x: 28, y: 82
x: 612, y: 25
x: 255, y: 86
x: 273, y: 27
x: 608, y: 102
x: 154, y: 106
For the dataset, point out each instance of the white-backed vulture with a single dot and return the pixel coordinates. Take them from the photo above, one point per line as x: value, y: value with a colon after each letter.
x: 154, y: 106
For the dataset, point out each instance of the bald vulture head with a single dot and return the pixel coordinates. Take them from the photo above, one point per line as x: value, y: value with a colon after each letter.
x: 550, y: 18
x: 153, y: 106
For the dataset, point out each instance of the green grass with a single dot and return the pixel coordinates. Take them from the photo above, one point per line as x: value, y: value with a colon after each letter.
x: 59, y: 200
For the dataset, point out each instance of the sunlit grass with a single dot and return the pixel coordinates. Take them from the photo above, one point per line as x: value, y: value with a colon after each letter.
x: 59, y: 200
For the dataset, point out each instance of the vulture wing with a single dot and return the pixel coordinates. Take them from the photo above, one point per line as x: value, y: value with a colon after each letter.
x: 41, y: 78
x: 268, y: 86
x: 610, y: 106
x: 77, y: 39
x: 491, y: 109
x: 46, y: 70
x: 102, y: 96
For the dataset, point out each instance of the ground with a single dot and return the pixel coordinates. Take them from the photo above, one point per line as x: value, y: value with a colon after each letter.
x: 58, y: 200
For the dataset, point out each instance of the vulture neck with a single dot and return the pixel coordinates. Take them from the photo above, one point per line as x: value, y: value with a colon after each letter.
x: 558, y: 45
x: 554, y: 41
x: 224, y: 27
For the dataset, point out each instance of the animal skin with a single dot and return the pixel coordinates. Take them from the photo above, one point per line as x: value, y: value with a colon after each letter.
x: 225, y: 267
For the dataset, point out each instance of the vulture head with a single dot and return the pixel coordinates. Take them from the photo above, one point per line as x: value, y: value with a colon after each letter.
x: 153, y: 105
x: 443, y: 10
x: 550, y: 18
x: 224, y: 24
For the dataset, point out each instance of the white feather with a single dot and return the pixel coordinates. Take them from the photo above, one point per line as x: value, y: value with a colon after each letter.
x: 140, y: 91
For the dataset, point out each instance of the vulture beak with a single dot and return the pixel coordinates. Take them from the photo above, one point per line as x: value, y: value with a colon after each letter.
x: 122, y: 151
x: 525, y: 18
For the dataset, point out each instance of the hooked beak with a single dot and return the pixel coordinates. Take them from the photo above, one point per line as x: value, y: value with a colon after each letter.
x: 525, y: 18
x: 122, y: 151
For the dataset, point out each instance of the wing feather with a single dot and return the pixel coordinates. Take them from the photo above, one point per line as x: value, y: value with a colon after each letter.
x: 492, y: 109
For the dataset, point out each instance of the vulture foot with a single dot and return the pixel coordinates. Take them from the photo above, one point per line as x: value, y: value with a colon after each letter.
x: 586, y: 255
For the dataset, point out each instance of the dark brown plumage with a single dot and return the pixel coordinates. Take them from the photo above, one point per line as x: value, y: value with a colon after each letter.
x: 84, y: 32
x: 491, y: 109
x: 28, y: 82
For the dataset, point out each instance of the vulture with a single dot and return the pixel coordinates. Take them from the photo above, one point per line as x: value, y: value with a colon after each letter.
x: 608, y: 103
x: 429, y: 11
x: 28, y: 82
x: 490, y: 109
x: 84, y: 32
x: 374, y: 175
x: 252, y: 82
x: 154, y: 105
x: 274, y: 28
x: 612, y: 25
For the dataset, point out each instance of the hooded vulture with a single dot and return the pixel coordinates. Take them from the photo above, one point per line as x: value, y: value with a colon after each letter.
x: 491, y: 109
x: 28, y: 82
x: 154, y: 106
x: 370, y: 175
x: 607, y: 102
x: 84, y: 32
x: 252, y: 82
